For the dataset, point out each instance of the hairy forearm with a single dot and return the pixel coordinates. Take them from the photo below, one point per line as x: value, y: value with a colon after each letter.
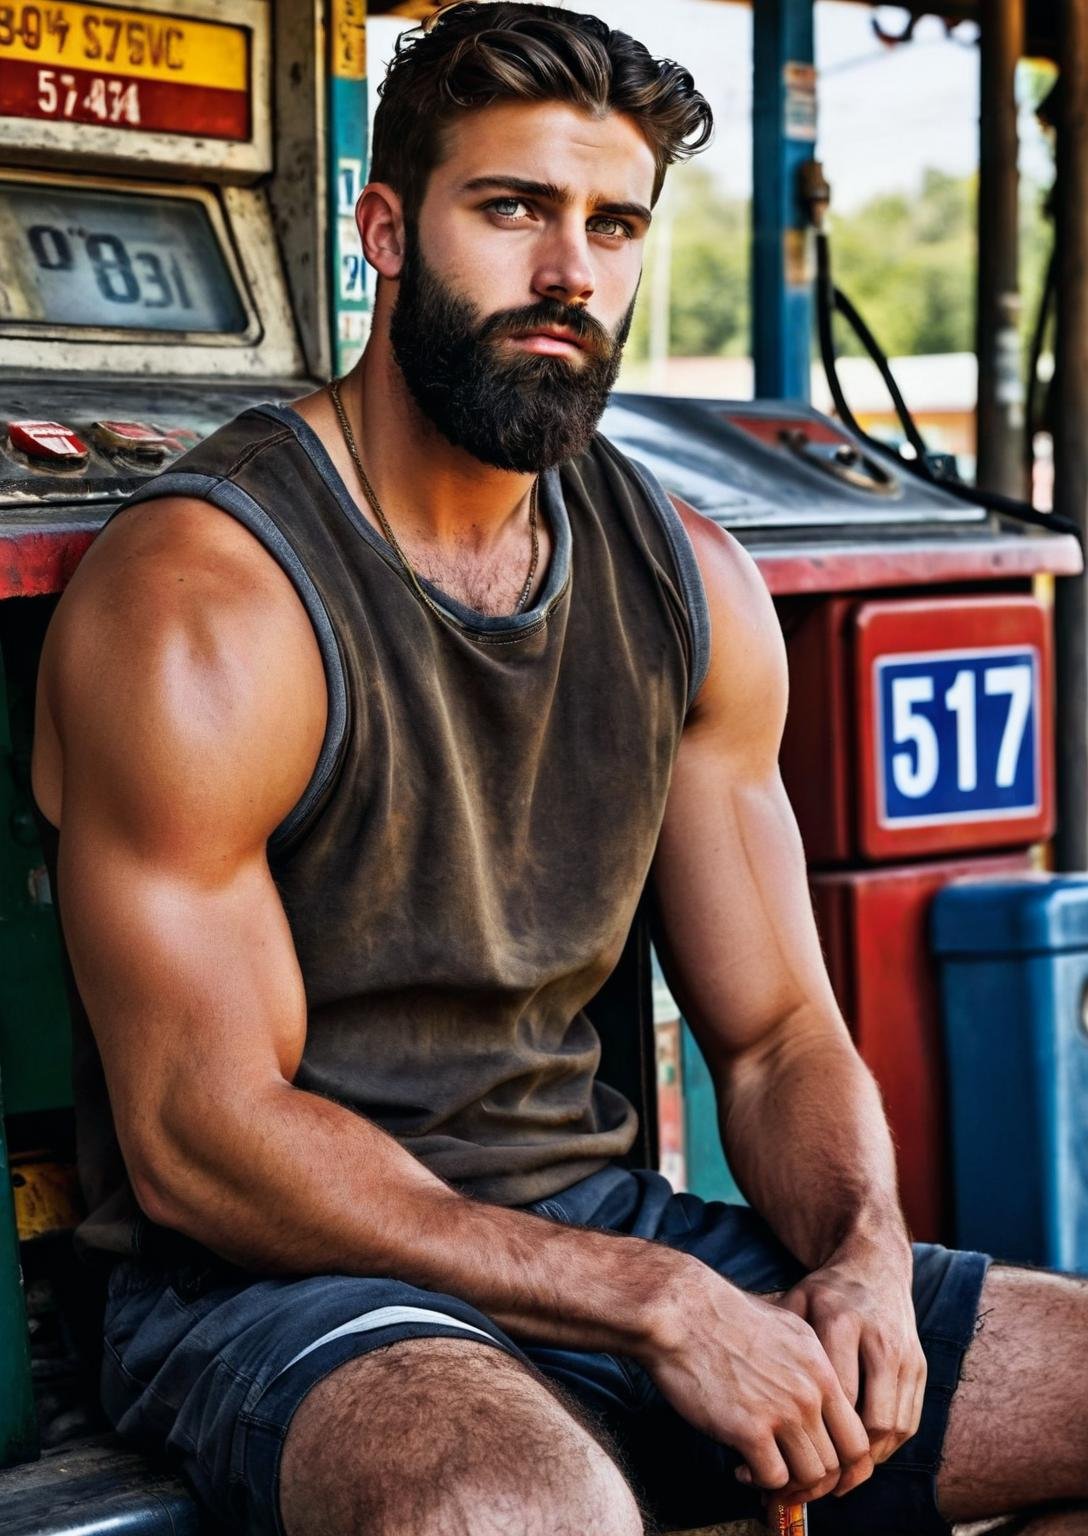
x: 805, y: 1133
x: 299, y: 1184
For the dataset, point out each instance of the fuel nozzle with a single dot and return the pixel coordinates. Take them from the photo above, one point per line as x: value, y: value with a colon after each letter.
x: 815, y: 192
x: 787, y: 1519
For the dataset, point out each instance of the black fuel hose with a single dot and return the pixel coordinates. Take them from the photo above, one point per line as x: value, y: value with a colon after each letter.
x: 831, y: 301
x: 1035, y: 418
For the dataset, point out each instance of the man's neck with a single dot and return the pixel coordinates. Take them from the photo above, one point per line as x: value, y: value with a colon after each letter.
x: 437, y: 494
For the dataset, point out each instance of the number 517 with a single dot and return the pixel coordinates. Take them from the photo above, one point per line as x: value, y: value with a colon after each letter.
x: 915, y: 772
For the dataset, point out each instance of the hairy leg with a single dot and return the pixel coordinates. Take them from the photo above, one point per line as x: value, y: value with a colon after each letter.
x: 444, y: 1437
x: 1066, y: 1520
x: 1059, y: 1522
x: 1018, y: 1429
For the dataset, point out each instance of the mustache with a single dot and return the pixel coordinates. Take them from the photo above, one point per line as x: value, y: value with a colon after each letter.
x: 590, y: 333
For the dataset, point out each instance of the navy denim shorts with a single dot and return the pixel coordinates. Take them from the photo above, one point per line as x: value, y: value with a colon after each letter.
x: 208, y: 1365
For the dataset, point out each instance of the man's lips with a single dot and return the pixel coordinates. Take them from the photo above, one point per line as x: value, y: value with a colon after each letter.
x: 554, y: 343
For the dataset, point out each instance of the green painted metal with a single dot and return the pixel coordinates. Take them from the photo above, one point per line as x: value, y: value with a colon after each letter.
x: 35, y: 1034
x: 708, y: 1172
x: 18, y: 1419
x: 35, y: 1038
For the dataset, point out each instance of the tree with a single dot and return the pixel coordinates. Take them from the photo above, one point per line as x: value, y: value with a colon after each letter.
x: 708, y: 294
x: 909, y: 265
x: 908, y: 261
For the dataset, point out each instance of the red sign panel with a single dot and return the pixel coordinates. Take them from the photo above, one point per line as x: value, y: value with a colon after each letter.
x: 954, y: 744
x: 114, y: 101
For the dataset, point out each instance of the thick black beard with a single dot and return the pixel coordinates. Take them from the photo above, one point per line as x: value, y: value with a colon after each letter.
x: 524, y: 413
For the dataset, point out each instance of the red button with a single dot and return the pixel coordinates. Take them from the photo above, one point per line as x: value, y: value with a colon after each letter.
x: 47, y: 440
x: 132, y: 437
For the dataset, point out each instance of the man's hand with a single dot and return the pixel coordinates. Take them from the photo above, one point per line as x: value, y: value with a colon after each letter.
x: 859, y: 1306
x: 752, y: 1375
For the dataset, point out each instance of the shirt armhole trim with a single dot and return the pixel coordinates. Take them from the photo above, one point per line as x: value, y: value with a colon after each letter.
x: 687, y: 568
x: 232, y: 499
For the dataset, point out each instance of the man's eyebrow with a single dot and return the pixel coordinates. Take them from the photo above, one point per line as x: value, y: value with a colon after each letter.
x: 551, y: 193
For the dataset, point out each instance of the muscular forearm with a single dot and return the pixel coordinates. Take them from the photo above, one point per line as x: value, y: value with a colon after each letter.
x: 299, y: 1184
x: 805, y: 1133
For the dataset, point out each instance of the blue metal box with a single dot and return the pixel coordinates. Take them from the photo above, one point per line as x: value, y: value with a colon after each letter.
x: 1013, y: 960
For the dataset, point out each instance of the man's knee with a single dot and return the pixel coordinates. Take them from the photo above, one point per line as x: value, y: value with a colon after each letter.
x: 573, y: 1493
x: 446, y: 1436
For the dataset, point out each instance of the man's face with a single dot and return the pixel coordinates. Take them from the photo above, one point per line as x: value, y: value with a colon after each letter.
x: 519, y: 279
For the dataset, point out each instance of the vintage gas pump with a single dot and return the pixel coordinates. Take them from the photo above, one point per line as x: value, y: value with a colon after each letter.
x: 177, y: 185
x: 919, y: 742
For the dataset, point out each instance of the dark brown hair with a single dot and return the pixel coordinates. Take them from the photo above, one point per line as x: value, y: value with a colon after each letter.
x: 471, y: 54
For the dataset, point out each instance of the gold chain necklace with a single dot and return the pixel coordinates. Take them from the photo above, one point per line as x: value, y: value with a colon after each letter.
x: 391, y: 538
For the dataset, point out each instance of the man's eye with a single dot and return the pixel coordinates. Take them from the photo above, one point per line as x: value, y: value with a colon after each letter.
x: 506, y: 207
x: 616, y: 227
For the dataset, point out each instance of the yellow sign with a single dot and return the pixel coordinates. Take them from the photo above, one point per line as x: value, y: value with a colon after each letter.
x: 145, y: 45
x: 348, y: 39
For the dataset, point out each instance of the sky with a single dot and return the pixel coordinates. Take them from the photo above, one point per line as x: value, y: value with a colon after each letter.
x: 886, y: 114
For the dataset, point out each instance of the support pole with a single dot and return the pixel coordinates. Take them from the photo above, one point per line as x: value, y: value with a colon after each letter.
x: 784, y: 134
x: 1070, y: 438
x: 1000, y: 368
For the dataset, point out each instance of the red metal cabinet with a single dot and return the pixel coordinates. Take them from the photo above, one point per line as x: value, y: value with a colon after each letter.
x: 874, y: 927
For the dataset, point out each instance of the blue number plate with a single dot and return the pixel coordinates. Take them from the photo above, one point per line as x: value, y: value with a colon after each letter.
x: 957, y: 736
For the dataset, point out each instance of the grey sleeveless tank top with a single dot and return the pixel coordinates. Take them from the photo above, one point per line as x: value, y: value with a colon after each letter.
x: 462, y: 871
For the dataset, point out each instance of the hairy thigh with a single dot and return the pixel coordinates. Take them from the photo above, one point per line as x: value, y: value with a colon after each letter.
x: 440, y: 1434
x: 1016, y: 1432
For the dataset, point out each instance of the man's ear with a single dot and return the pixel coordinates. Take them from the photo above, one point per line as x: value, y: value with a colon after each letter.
x: 379, y: 215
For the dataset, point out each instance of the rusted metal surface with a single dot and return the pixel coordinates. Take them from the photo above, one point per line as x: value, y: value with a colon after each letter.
x: 34, y: 563
x: 36, y: 560
x: 300, y: 212
x: 857, y: 567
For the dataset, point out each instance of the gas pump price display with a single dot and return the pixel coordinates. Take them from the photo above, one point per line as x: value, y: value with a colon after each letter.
x: 957, y: 735
x: 111, y: 260
x: 65, y: 61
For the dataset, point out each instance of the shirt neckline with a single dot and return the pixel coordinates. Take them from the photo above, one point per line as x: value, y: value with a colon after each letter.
x: 552, y: 505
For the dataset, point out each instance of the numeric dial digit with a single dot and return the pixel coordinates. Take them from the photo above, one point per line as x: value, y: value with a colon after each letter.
x: 51, y: 248
x: 152, y: 268
x: 112, y: 269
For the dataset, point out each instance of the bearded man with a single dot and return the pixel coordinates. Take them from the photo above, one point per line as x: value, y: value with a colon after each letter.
x: 362, y: 731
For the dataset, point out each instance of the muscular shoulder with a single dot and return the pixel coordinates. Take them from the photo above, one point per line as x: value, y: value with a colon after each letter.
x: 745, y: 689
x: 181, y: 674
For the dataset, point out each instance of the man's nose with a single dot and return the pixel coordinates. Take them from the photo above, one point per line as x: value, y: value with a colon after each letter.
x: 564, y: 270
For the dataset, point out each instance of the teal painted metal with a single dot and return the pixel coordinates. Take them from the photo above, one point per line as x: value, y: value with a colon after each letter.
x: 784, y: 135
x: 347, y: 156
x: 18, y: 1418
x: 35, y: 1033
x: 708, y: 1173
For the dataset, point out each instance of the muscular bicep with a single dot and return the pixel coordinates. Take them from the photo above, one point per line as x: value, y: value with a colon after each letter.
x: 737, y: 932
x: 188, y: 715
x: 192, y: 987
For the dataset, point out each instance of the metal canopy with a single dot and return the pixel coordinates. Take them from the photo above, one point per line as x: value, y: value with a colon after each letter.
x: 1042, y: 15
